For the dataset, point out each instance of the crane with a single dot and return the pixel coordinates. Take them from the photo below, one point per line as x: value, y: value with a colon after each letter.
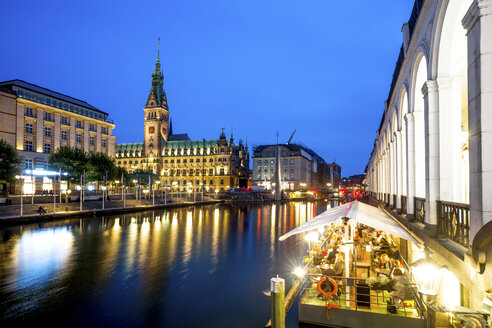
x: 291, y: 136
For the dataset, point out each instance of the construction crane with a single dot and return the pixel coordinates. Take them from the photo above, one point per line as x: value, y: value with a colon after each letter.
x: 291, y: 136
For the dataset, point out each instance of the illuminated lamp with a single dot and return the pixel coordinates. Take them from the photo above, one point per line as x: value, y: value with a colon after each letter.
x: 427, y: 273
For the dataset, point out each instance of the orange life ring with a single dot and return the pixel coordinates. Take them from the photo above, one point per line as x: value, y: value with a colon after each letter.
x: 327, y: 294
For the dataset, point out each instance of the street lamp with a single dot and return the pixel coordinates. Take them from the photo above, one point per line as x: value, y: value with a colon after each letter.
x: 427, y: 273
x: 311, y: 237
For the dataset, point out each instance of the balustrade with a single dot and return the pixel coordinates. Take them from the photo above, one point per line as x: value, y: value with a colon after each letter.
x: 403, y: 204
x: 419, y: 208
x: 453, y: 221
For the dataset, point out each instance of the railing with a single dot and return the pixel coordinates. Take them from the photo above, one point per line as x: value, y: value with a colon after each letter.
x: 394, y: 202
x: 356, y: 294
x: 403, y: 204
x: 453, y: 221
x: 419, y: 208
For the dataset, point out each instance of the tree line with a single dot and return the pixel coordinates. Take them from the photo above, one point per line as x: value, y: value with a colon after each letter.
x: 94, y: 166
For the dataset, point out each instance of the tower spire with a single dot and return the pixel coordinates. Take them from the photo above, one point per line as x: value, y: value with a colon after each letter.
x: 157, y: 96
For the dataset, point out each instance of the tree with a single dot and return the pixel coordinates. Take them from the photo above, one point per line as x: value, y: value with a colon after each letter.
x: 100, y: 166
x: 9, y: 161
x: 71, y: 160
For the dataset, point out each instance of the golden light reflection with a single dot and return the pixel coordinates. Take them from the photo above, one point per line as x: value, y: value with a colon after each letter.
x: 132, y: 243
x: 41, y: 253
x: 215, y: 239
x: 188, y: 240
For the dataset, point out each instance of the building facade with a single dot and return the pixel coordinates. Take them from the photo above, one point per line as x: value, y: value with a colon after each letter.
x: 181, y: 163
x: 432, y: 161
x: 36, y: 121
x: 300, y: 168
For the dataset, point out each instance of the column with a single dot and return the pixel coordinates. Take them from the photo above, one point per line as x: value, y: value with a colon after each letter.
x: 38, y: 147
x: 431, y: 123
x: 410, y: 122
x: 392, y: 171
x: 56, y: 135
x: 478, y: 22
x: 399, y: 165
x: 72, y: 131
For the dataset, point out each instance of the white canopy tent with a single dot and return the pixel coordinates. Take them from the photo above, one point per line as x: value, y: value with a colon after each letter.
x: 361, y: 213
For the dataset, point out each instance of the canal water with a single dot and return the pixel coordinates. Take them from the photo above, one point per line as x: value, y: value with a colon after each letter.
x: 206, y: 266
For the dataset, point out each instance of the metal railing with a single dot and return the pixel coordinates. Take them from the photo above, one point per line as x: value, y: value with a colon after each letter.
x: 419, y: 208
x: 356, y: 294
x: 403, y: 204
x: 453, y: 221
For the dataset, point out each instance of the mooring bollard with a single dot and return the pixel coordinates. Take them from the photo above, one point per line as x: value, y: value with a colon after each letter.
x: 277, y: 295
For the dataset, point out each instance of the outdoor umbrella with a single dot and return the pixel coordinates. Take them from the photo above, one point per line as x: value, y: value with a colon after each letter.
x: 362, y: 213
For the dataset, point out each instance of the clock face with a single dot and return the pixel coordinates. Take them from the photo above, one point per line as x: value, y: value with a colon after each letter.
x: 151, y: 129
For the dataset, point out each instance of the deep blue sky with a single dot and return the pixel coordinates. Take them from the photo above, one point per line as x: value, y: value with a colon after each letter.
x: 322, y: 67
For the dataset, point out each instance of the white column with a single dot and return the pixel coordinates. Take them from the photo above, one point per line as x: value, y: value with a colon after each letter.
x: 431, y: 120
x: 399, y: 166
x: 451, y: 168
x: 391, y: 171
x: 410, y: 122
x: 478, y: 22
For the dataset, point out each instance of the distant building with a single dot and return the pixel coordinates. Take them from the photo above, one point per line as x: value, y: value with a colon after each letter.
x: 300, y: 168
x: 353, y: 181
x: 36, y: 121
x: 182, y: 163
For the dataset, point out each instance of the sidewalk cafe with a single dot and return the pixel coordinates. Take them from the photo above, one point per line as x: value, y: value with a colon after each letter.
x: 356, y: 272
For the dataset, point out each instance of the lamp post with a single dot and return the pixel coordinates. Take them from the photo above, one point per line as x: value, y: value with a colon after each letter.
x: 427, y: 274
x: 103, y: 189
x: 21, y: 190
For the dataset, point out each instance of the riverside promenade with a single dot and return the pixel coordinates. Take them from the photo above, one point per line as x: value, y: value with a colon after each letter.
x: 10, y: 214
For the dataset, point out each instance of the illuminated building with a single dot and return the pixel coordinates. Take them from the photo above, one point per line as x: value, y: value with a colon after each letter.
x: 36, y: 121
x: 182, y: 163
x: 300, y: 167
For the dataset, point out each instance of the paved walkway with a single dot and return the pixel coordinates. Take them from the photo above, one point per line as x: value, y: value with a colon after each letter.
x: 30, y: 211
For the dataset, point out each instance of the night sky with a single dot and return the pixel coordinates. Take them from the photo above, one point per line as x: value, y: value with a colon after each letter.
x: 321, y: 67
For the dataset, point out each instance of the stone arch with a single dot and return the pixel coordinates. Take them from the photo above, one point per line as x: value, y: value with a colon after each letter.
x: 404, y: 110
x: 420, y: 75
x: 449, y: 67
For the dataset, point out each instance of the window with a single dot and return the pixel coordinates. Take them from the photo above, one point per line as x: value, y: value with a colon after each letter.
x: 211, y: 182
x: 124, y: 162
x: 211, y: 160
x: 211, y: 172
x: 64, y: 120
x: 28, y: 146
x: 191, y: 160
x: 165, y: 161
x: 184, y: 160
x: 28, y: 128
x: 29, y: 112
x: 92, y: 127
x: 47, y: 148
x: 198, y: 160
x: 103, y: 143
x: 104, y: 130
x: 47, y: 116
x: 47, y: 132
x: 119, y: 162
x: 172, y: 161
x: 91, y: 141
x: 78, y: 138
x: 28, y: 163
x: 79, y: 125
x: 131, y: 162
x: 221, y: 181
x: 178, y: 161
x: 64, y: 135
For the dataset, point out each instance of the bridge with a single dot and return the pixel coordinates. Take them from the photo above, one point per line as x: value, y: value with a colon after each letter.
x: 432, y: 158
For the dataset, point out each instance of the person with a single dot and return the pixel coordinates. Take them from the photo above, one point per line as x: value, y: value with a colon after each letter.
x: 332, y: 256
x: 41, y: 210
x: 339, y: 266
x: 394, y: 253
x: 402, y: 291
x: 385, y: 265
x: 318, y: 257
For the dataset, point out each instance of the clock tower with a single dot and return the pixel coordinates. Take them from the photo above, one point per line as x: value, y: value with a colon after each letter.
x: 156, y: 126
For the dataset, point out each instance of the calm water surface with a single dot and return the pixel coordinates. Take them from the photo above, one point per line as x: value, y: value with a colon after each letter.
x: 189, y: 267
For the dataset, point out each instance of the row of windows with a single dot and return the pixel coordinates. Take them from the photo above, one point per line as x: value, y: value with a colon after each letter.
x: 65, y: 121
x: 59, y: 104
x: 191, y: 160
x: 197, y: 182
x: 271, y: 161
x: 192, y: 172
x: 47, y: 147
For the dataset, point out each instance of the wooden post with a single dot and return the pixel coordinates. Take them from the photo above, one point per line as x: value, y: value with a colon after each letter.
x: 277, y: 295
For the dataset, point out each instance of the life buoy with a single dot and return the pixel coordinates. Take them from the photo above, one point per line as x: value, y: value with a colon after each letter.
x: 333, y: 291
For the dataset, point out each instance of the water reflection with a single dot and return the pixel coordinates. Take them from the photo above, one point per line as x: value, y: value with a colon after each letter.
x: 151, y: 268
